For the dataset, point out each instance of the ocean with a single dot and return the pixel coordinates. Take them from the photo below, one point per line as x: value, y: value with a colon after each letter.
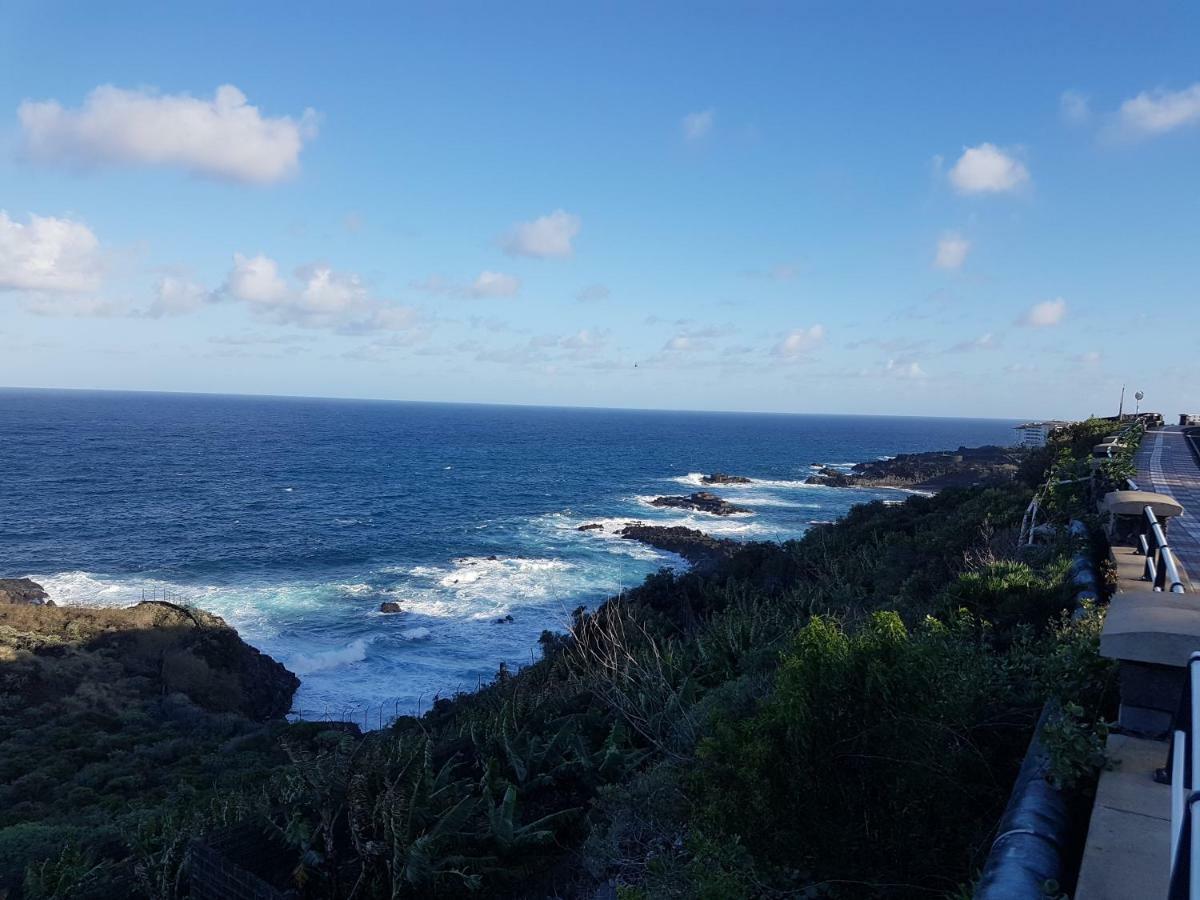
x: 295, y: 518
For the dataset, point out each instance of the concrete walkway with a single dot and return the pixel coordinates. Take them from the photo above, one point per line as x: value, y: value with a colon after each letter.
x: 1166, y: 465
x: 1128, y: 852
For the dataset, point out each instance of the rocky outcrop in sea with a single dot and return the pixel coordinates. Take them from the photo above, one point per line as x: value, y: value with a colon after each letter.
x: 702, y: 501
x: 723, y: 478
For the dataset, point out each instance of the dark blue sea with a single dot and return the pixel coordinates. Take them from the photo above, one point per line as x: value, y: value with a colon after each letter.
x: 295, y: 518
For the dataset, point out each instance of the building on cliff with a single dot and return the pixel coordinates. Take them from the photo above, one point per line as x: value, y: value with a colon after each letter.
x: 1034, y: 434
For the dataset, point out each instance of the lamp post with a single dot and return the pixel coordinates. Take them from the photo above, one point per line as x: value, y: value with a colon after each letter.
x: 1139, y: 396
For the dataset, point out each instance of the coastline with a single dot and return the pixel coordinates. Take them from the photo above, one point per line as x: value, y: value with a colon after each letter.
x: 565, y: 719
x: 698, y: 550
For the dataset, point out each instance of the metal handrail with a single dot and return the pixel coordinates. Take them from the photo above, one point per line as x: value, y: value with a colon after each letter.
x: 1185, y: 796
x: 1161, y: 568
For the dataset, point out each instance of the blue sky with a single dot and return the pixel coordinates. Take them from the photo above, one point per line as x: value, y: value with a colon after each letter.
x: 954, y: 209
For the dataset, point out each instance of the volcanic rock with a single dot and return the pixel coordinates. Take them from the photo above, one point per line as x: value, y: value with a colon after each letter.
x: 23, y: 590
x: 701, y: 501
x: 703, y: 551
x: 722, y: 478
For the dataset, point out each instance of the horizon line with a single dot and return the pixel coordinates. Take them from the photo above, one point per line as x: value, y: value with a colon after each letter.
x: 265, y: 396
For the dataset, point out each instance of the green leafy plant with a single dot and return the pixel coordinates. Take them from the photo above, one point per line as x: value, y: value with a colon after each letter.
x: 1075, y: 747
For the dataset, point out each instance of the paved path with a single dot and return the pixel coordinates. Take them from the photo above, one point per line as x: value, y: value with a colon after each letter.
x: 1166, y: 464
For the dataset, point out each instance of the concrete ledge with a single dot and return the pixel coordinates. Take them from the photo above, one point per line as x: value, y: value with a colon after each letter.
x: 1134, y: 503
x: 1151, y: 627
x: 1129, y: 838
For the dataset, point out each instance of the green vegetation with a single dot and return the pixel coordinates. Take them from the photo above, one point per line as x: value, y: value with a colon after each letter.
x: 1073, y: 484
x: 839, y: 716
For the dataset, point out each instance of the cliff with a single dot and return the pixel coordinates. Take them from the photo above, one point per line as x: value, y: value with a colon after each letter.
x: 152, y: 649
x: 108, y: 714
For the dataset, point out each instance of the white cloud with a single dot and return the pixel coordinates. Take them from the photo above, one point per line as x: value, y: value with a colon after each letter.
x: 320, y: 298
x: 952, y: 250
x: 224, y: 137
x: 1045, y: 314
x: 495, y: 284
x: 799, y: 342
x: 545, y: 237
x: 328, y: 293
x: 698, y: 124
x: 255, y: 279
x: 1089, y: 358
x: 904, y: 369
x: 1074, y: 107
x: 987, y: 169
x: 48, y: 254
x: 1156, y: 112
x: 177, y: 296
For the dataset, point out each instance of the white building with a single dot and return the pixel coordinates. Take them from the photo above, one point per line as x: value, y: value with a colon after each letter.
x: 1034, y: 434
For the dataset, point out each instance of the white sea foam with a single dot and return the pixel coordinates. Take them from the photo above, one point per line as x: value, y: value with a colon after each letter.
x: 648, y: 501
x: 725, y: 526
x: 478, y: 587
x: 784, y: 483
x: 693, y: 479
x: 306, y: 664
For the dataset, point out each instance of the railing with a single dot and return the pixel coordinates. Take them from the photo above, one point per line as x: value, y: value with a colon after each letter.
x: 1161, y: 569
x: 1185, y: 793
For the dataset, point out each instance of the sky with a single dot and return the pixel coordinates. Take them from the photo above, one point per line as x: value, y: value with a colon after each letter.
x: 977, y: 209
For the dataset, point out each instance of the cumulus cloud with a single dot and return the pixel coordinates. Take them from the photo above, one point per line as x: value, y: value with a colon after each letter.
x: 800, y: 341
x: 952, y: 250
x: 318, y: 297
x: 545, y: 237
x: 698, y: 124
x: 48, y: 254
x: 1074, y: 107
x: 1156, y: 112
x: 223, y: 137
x: 987, y: 169
x: 256, y: 279
x: 1045, y: 314
x: 177, y: 296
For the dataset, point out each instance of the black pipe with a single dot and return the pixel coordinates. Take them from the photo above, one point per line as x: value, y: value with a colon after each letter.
x: 1037, y: 832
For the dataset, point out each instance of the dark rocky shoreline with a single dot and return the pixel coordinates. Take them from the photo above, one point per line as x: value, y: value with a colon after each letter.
x: 932, y: 471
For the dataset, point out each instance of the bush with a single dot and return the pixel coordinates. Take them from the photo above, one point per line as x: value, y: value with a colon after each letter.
x: 873, y: 741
